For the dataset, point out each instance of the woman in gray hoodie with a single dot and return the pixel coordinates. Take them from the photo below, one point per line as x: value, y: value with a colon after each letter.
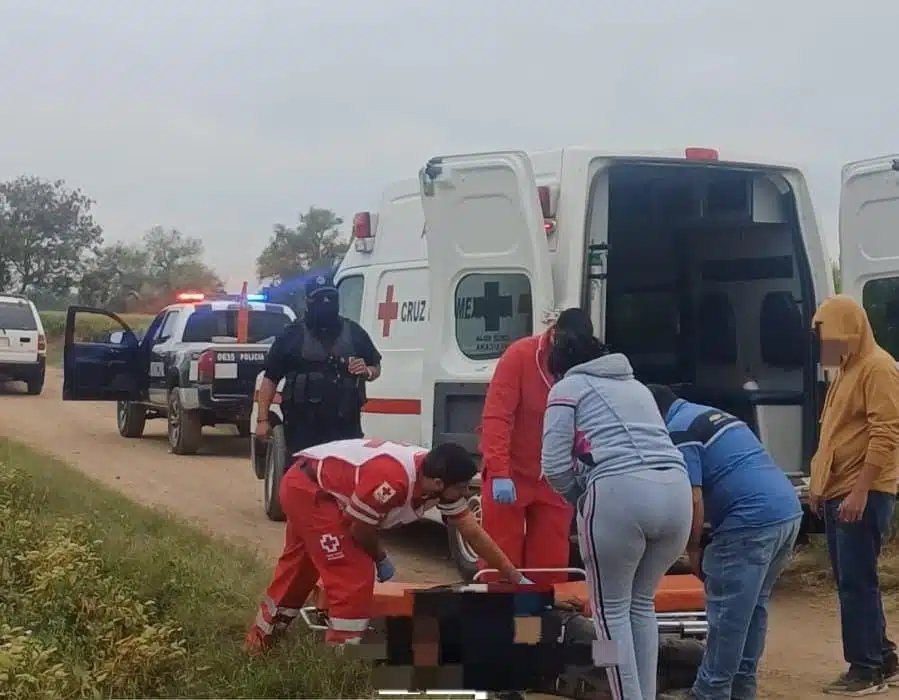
x: 606, y: 449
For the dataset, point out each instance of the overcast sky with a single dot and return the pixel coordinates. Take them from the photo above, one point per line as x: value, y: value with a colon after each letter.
x: 222, y: 118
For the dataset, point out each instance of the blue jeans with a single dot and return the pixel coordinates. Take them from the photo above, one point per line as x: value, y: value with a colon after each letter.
x: 740, y: 570
x: 854, y: 549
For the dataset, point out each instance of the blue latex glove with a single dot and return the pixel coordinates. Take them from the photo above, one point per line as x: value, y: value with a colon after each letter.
x: 386, y: 569
x: 525, y: 581
x: 504, y: 491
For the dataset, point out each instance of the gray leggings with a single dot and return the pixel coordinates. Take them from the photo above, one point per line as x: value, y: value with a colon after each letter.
x: 631, y: 529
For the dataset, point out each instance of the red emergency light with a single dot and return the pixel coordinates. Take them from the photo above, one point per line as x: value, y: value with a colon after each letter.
x: 362, y: 225
x: 364, y: 232
x: 696, y: 153
x: 547, y: 207
x: 190, y: 296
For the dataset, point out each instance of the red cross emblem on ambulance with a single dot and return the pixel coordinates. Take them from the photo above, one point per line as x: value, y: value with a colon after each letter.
x: 388, y: 311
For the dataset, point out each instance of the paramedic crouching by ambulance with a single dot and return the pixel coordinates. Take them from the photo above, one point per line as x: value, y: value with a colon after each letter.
x: 337, y: 497
x: 325, y: 360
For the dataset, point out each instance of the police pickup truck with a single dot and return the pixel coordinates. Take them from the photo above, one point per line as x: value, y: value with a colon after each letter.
x: 187, y: 368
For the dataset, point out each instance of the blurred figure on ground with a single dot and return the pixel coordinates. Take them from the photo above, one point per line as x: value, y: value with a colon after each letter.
x: 853, y: 486
x: 754, y: 515
x: 606, y: 449
x: 520, y: 510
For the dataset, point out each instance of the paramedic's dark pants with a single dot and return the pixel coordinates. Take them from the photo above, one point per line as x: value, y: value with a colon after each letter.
x: 854, y: 549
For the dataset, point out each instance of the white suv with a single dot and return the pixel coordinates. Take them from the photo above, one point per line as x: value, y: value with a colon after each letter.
x: 23, y: 344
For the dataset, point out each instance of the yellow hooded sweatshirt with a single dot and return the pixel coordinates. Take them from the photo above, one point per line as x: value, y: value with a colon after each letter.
x: 860, y: 420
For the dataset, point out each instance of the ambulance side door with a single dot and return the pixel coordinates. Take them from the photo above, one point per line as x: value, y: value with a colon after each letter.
x: 490, y: 280
x: 869, y: 243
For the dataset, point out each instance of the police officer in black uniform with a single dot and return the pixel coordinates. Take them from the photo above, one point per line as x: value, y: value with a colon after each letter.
x: 326, y: 360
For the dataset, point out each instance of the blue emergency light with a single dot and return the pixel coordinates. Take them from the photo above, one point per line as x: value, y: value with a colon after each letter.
x: 257, y: 297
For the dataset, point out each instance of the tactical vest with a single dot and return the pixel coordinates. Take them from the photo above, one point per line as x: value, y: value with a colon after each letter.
x: 325, y: 392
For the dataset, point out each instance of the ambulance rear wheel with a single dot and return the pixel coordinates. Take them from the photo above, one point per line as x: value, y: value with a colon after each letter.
x: 462, y: 554
x: 275, y: 465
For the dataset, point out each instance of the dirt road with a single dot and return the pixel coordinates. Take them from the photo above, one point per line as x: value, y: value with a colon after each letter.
x: 218, y: 492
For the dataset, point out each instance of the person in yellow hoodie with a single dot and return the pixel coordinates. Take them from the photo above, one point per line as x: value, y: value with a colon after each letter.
x: 853, y: 487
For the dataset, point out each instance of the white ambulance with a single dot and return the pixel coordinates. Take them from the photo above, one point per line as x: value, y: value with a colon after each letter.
x: 704, y: 272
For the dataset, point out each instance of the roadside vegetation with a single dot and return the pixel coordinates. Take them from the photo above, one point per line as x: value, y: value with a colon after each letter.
x: 101, y: 597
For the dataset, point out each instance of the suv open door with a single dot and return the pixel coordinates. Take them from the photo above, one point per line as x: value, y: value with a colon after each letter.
x: 111, y: 369
x: 490, y: 279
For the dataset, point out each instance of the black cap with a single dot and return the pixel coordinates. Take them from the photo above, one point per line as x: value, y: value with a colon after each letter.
x: 319, y: 283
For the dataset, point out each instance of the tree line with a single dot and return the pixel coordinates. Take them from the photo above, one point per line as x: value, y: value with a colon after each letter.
x: 53, y: 250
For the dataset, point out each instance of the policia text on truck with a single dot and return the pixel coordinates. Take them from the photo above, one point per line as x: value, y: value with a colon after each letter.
x: 325, y: 360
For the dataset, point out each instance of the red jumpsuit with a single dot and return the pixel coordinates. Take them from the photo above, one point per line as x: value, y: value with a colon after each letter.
x: 533, y: 531
x: 373, y: 481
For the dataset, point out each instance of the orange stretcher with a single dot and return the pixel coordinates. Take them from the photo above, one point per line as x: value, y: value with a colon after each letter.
x: 678, y: 593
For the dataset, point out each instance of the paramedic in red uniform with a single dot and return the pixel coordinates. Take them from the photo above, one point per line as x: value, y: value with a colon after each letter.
x: 520, y: 510
x: 336, y: 497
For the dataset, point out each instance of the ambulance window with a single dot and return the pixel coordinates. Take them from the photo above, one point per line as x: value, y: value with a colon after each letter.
x: 350, y: 293
x: 881, y: 301
x: 492, y: 311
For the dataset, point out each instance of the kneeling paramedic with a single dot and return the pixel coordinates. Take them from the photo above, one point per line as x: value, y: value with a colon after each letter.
x: 754, y: 514
x: 336, y: 497
x: 325, y: 360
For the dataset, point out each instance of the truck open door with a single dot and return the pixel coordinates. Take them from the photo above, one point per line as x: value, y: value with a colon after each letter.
x: 869, y: 242
x: 490, y: 280
x: 110, y: 367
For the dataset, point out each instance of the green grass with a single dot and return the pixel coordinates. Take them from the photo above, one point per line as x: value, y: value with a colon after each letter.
x: 101, y: 597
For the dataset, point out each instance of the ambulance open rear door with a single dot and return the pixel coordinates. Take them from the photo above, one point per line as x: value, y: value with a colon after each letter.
x: 869, y: 243
x: 490, y: 280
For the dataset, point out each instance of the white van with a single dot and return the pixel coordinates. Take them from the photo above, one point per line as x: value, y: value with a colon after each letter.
x: 705, y: 272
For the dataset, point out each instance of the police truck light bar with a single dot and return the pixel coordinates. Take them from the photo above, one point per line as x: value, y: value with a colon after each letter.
x: 190, y: 296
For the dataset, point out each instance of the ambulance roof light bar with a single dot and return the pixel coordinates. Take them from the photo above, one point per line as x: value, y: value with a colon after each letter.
x: 698, y: 153
x: 184, y: 297
x: 364, y: 225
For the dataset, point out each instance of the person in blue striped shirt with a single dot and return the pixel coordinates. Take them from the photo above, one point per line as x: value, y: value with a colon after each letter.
x: 754, y: 515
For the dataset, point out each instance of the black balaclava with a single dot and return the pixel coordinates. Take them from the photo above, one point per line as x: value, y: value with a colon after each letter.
x: 322, y: 304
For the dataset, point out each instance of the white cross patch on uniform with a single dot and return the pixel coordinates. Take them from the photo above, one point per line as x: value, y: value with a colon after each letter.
x: 384, y: 492
x: 329, y: 544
